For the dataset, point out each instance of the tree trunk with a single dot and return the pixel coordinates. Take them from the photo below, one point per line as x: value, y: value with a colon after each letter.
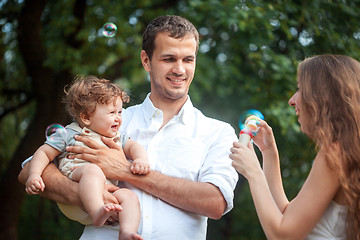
x: 46, y: 87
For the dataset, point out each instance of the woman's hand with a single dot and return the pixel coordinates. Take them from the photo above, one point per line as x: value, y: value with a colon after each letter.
x: 265, y: 139
x: 244, y: 159
x: 110, y: 159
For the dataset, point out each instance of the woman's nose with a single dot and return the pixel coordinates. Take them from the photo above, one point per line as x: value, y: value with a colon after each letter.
x: 292, y: 100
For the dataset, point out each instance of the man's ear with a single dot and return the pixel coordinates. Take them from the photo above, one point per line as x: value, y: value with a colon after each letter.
x: 145, y: 60
x: 85, y: 118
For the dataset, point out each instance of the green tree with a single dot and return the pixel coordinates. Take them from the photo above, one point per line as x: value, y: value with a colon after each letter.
x: 46, y: 43
x: 247, y: 59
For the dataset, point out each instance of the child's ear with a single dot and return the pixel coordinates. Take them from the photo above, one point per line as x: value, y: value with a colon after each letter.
x: 85, y: 118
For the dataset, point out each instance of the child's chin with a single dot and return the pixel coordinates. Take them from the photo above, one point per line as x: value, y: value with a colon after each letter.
x: 109, y: 135
x: 113, y: 134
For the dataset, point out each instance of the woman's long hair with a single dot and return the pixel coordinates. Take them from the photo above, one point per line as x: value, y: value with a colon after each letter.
x: 330, y: 93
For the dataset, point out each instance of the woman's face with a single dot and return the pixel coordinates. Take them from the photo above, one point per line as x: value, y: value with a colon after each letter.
x: 303, y: 116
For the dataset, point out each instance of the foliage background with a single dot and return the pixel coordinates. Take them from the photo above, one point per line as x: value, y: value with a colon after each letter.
x: 247, y: 59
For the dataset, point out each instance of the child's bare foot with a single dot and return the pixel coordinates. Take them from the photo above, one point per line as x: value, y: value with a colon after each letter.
x: 105, y: 212
x: 129, y: 236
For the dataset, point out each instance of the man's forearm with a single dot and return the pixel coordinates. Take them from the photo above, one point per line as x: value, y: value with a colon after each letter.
x: 197, y: 197
x: 57, y: 186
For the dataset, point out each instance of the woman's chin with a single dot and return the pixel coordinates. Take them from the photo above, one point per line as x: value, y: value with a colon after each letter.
x: 303, y: 129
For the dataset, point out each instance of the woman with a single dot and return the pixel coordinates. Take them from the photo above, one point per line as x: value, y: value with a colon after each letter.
x: 327, y: 104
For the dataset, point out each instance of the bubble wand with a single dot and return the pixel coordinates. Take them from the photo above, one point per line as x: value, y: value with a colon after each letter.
x: 250, y: 130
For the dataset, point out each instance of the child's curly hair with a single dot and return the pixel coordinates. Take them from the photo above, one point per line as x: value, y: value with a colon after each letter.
x: 87, y: 91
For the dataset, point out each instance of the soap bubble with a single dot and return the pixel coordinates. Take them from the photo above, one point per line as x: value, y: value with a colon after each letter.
x: 55, y: 128
x: 109, y: 29
x: 247, y: 114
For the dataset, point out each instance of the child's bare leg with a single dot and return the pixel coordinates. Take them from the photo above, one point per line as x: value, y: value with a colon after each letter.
x: 129, y: 217
x: 91, y: 186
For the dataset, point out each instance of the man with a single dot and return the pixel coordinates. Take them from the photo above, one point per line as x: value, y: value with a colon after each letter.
x: 192, y: 177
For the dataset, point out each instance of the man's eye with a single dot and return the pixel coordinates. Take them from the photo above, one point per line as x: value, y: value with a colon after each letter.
x: 169, y: 59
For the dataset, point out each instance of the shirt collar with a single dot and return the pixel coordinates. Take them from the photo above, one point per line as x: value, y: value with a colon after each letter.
x: 148, y: 108
x: 184, y: 114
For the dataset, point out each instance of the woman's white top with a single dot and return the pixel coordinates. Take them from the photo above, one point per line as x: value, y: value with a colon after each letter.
x: 331, y: 225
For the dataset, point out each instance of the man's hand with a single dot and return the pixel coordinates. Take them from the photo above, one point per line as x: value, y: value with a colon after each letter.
x: 110, y: 159
x: 59, y: 188
x: 108, y: 196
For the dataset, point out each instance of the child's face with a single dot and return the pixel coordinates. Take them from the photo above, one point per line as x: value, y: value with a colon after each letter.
x: 107, y: 119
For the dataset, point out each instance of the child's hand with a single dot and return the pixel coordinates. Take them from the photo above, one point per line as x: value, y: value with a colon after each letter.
x: 34, y: 184
x: 140, y: 166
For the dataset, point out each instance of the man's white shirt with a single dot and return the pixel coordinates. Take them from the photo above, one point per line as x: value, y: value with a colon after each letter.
x: 189, y: 146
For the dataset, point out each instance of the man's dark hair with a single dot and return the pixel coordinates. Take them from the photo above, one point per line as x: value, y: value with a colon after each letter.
x: 176, y: 26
